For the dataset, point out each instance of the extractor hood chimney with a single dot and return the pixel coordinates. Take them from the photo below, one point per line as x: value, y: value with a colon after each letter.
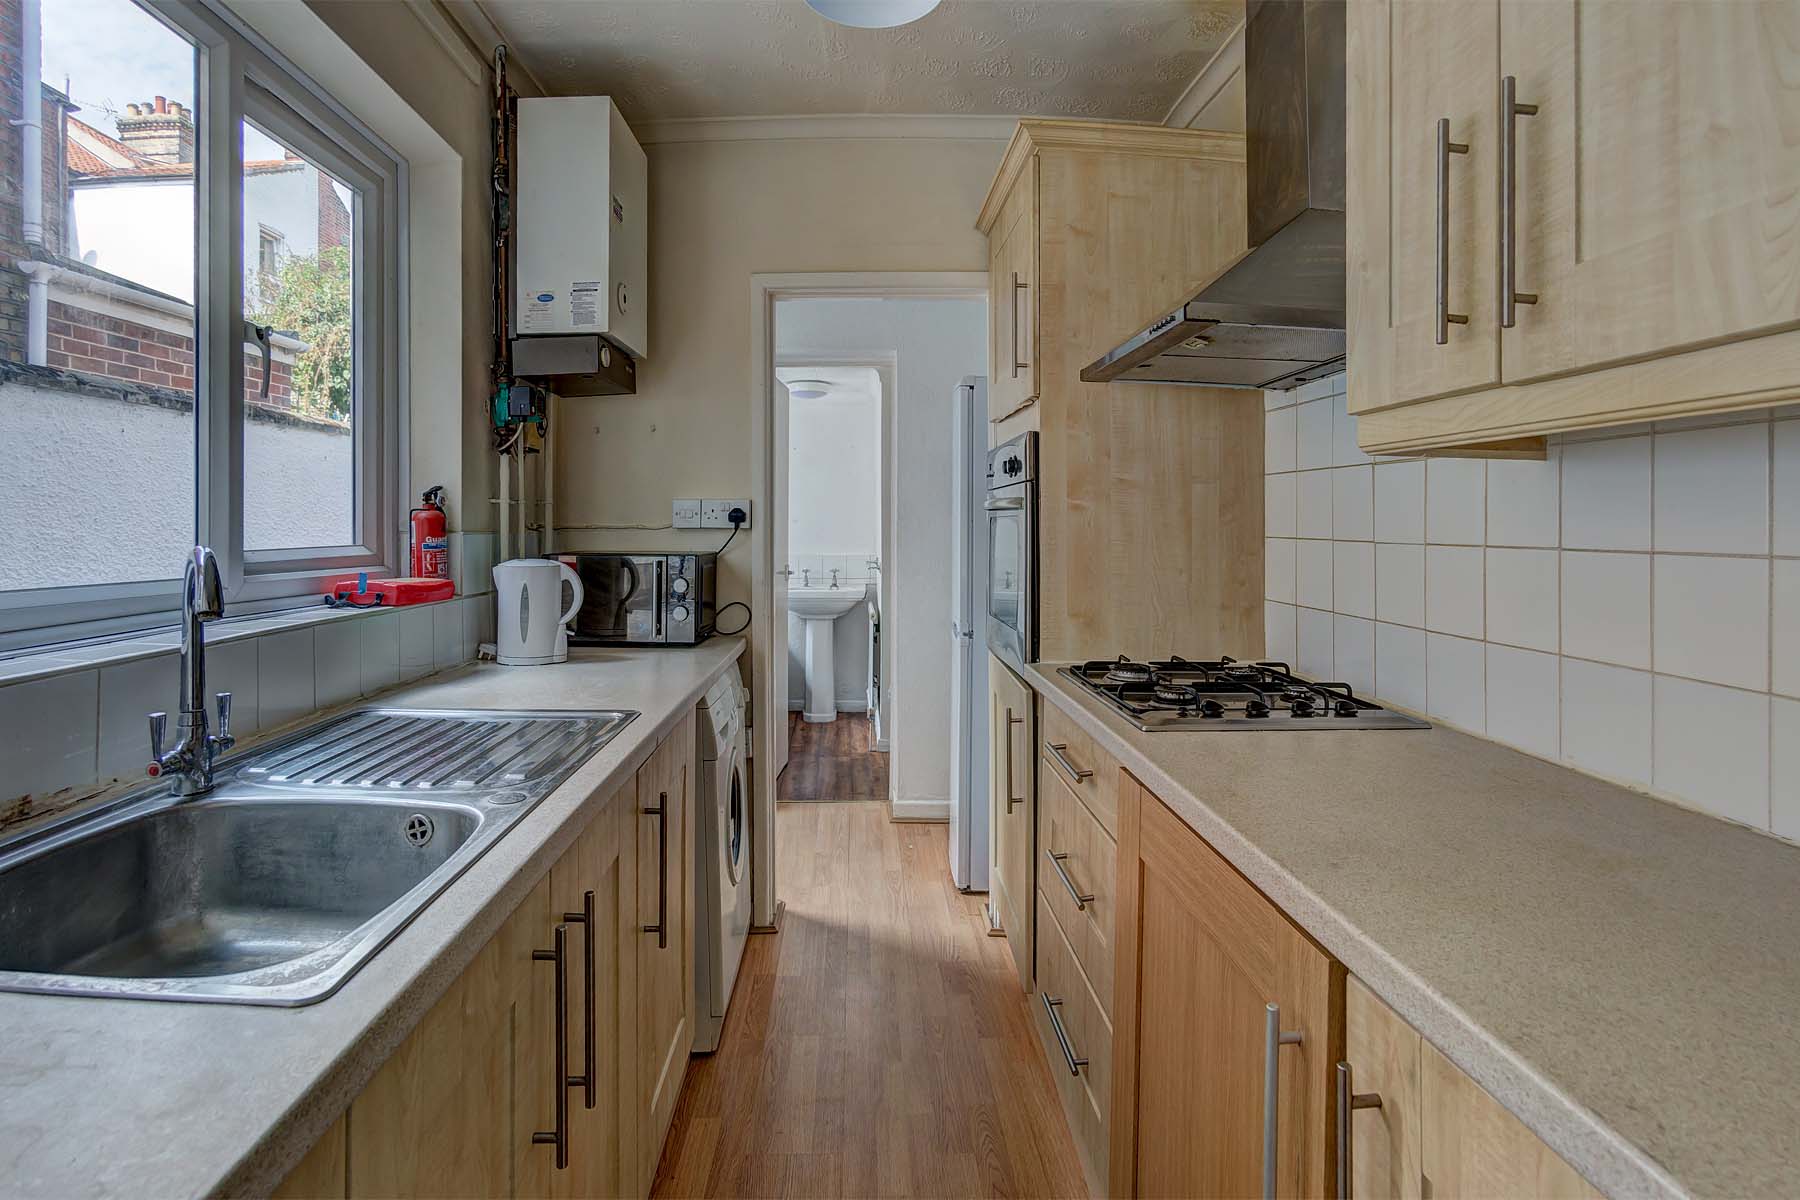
x: 1274, y: 318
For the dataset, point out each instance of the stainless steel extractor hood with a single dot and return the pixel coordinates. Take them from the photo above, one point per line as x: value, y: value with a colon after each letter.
x: 1274, y: 318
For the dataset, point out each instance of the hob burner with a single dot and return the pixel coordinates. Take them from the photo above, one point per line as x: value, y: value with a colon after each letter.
x: 1224, y: 693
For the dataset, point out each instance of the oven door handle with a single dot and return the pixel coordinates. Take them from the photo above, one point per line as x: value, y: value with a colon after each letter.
x: 1000, y: 503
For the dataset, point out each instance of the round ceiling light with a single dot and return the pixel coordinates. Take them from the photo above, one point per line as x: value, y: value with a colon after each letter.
x: 872, y: 14
x: 808, y: 389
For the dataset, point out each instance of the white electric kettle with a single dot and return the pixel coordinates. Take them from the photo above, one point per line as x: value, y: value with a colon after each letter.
x: 533, y: 624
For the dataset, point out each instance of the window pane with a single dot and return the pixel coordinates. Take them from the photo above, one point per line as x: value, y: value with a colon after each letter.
x: 299, y: 267
x: 97, y: 381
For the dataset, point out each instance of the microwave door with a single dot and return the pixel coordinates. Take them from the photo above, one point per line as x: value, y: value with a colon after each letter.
x: 643, y: 606
x: 608, y: 583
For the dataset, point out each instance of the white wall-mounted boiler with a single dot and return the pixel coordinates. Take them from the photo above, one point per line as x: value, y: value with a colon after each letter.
x: 582, y: 224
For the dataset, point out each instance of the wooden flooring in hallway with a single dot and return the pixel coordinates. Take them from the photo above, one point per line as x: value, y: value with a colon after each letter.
x: 879, y: 1045
x: 833, y: 760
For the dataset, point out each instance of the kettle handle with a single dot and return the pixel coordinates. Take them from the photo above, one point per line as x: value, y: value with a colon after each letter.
x: 569, y: 574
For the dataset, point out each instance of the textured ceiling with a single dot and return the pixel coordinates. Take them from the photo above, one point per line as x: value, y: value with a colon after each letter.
x: 671, y: 59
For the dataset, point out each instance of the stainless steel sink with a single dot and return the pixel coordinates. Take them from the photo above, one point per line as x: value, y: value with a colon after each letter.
x: 313, y: 852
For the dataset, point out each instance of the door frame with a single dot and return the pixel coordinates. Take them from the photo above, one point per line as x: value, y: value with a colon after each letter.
x: 765, y: 290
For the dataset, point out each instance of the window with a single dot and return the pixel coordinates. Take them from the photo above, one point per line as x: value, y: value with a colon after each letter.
x: 212, y: 298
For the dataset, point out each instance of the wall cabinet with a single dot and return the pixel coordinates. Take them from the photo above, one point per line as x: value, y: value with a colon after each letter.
x: 1604, y: 192
x: 469, y: 1105
x: 1012, y: 813
x: 1150, y: 521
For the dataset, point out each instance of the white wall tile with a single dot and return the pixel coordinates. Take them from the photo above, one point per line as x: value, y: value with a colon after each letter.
x: 1280, y: 496
x: 1400, y: 502
x: 415, y: 641
x: 1522, y: 598
x: 1456, y: 501
x: 1315, y: 643
x: 235, y: 667
x: 1606, y: 725
x: 380, y: 662
x: 1784, y: 773
x: 337, y: 662
x: 1712, y: 490
x: 1278, y: 570
x: 1281, y: 633
x: 129, y: 692
x: 1314, y: 499
x: 1524, y: 502
x: 1353, y: 578
x: 51, y: 734
x: 1314, y: 435
x: 1353, y: 654
x: 1353, y: 503
x: 1606, y: 495
x: 1280, y: 439
x: 1710, y: 619
x: 1456, y: 681
x: 1522, y: 699
x: 1400, y: 584
x: 1606, y: 607
x: 284, y: 677
x: 1785, y: 635
x: 1712, y: 748
x: 1312, y: 574
x: 1400, y: 665
x: 486, y: 614
x: 449, y: 635
x: 1453, y: 590
x: 1344, y: 450
x: 1787, y: 487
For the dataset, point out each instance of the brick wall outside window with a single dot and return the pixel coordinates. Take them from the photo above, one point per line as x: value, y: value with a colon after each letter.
x: 114, y: 348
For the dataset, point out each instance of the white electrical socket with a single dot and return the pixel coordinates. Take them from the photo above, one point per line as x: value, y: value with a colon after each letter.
x: 716, y: 514
x: 686, y: 514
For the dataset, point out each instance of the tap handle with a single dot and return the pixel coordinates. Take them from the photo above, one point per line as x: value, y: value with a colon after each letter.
x: 224, y: 739
x: 159, y: 723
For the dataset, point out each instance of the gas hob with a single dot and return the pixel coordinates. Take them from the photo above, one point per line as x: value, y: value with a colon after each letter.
x: 1180, y: 693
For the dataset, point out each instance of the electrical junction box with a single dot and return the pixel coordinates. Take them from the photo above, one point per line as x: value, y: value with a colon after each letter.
x: 581, y: 240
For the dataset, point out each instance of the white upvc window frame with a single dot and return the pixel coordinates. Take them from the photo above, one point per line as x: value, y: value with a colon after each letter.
x: 238, y: 77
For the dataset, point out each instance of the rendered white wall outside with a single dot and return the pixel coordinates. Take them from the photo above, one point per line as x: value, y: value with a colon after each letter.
x: 936, y: 343
x: 1630, y: 606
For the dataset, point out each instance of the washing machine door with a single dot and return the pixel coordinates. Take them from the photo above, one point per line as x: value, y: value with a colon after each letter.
x: 736, y: 841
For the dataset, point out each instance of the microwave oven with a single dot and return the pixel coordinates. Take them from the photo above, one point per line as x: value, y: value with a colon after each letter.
x: 649, y: 599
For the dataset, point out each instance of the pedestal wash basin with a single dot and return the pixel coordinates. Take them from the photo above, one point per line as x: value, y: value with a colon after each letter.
x: 819, y: 608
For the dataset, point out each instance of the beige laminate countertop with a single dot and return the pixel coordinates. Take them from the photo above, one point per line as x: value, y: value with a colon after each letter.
x: 102, y: 1097
x: 1622, y: 974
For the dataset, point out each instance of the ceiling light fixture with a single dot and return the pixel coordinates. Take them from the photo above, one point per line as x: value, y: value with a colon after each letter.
x: 808, y: 389
x: 872, y: 14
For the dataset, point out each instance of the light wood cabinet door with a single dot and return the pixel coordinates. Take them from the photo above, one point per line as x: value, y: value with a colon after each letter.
x: 1382, y: 1053
x: 436, y: 1119
x: 323, y: 1174
x: 594, y: 881
x: 1013, y: 815
x: 1472, y: 1147
x: 1202, y: 956
x: 1013, y: 300
x: 664, y: 940
x: 1659, y: 180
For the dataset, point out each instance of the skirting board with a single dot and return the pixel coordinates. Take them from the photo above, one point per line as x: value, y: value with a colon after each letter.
x: 919, y: 810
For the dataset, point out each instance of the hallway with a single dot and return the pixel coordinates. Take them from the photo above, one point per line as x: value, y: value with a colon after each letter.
x: 879, y: 1045
x: 833, y: 760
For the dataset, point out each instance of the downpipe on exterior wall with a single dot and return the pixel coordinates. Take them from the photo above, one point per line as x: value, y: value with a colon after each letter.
x: 31, y: 124
x: 37, y: 310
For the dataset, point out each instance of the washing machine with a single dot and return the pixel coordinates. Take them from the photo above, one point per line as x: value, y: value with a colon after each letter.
x: 723, y: 852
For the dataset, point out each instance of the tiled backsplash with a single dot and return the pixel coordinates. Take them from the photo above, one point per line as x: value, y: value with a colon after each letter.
x: 1629, y: 606
x: 820, y: 566
x: 74, y: 721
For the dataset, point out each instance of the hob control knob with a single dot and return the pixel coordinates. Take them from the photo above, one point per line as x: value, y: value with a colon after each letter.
x: 1302, y: 706
x: 679, y: 585
x: 679, y: 613
x: 1345, y: 708
x: 1211, y: 708
x: 1255, y: 708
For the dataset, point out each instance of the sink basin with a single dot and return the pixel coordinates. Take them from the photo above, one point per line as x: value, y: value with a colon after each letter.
x: 826, y: 603
x: 310, y: 855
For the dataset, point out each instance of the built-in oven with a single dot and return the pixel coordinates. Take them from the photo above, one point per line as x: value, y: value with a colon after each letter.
x: 1012, y: 496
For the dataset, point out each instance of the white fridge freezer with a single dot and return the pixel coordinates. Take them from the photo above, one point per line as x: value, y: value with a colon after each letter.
x: 968, y: 640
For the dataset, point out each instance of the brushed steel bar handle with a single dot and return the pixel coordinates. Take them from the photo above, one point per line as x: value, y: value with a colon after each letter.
x: 1348, y: 1101
x: 1274, y: 1038
x: 1059, y: 752
x: 1056, y: 860
x: 585, y: 918
x: 661, y: 813
x: 1051, y: 1004
x: 559, y: 1136
x: 1019, y: 285
x: 1445, y: 148
x: 1510, y: 112
x: 1011, y: 799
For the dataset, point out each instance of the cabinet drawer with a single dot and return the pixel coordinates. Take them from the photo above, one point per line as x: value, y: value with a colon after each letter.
x: 1077, y: 871
x: 1085, y: 1088
x: 1089, y: 771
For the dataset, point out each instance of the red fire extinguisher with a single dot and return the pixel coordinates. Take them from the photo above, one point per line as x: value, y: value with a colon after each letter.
x: 430, y: 548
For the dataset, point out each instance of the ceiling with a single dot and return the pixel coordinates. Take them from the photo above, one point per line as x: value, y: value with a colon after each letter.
x: 851, y: 384
x: 694, y: 59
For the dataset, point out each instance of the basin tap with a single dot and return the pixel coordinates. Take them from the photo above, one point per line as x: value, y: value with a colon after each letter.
x: 805, y: 577
x: 834, y: 582
x: 191, y: 759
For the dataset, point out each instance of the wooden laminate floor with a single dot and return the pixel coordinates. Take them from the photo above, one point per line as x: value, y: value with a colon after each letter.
x: 879, y: 1045
x: 833, y: 760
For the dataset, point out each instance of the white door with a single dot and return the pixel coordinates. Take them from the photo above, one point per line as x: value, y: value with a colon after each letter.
x: 778, y: 604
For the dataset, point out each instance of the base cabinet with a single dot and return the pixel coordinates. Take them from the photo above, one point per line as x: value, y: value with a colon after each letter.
x: 1013, y: 814
x: 664, y: 941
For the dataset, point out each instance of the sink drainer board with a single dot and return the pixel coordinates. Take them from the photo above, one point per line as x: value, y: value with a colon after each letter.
x: 310, y: 855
